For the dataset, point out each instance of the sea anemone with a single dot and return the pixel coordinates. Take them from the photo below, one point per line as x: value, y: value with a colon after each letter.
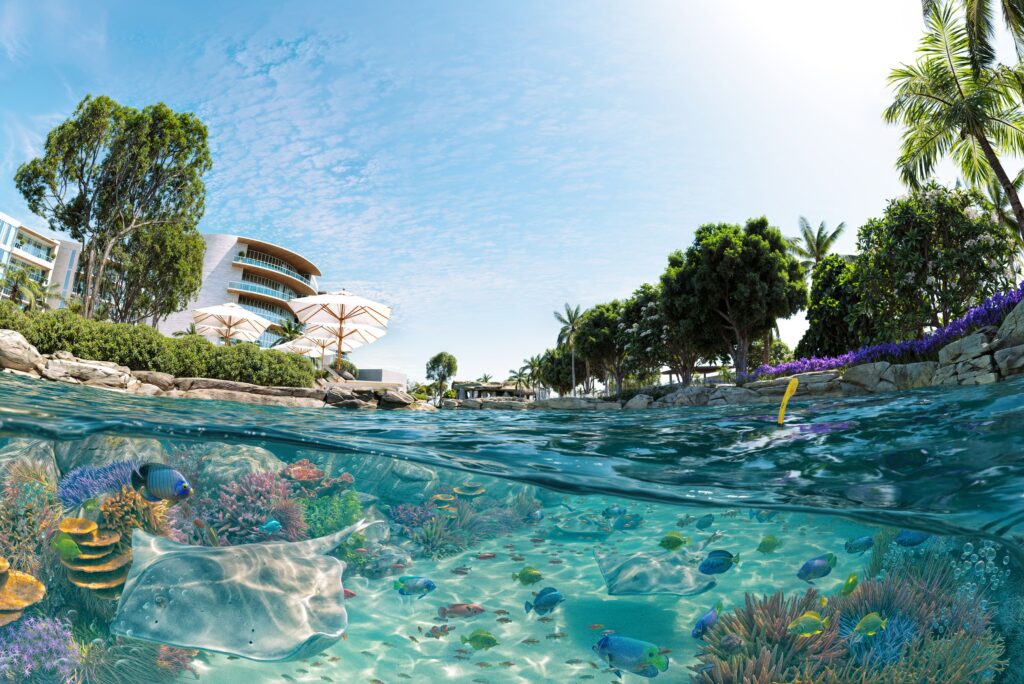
x: 440, y: 538
x: 243, y: 508
x: 37, y: 649
x: 88, y: 482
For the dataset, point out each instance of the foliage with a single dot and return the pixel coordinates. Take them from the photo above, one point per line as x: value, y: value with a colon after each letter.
x: 342, y: 365
x: 932, y: 255
x: 110, y: 171
x: 733, y: 283
x: 37, y: 649
x: 990, y: 312
x: 87, y: 482
x: 601, y: 341
x: 813, y: 246
x: 559, y: 369
x: 441, y: 368
x: 643, y: 329
x: 288, y: 329
x: 570, y: 322
x: 440, y: 538
x: 833, y: 306
x: 244, y: 506
x: 23, y: 289
x: 327, y: 514
x: 141, y: 347
x: 778, y: 352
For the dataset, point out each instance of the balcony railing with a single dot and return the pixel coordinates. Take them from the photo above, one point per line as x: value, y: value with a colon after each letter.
x: 34, y: 250
x: 260, y: 289
x: 270, y: 314
x: 266, y: 262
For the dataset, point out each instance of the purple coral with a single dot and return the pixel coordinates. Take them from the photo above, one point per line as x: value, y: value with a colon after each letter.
x: 86, y: 482
x: 36, y: 646
x: 411, y: 516
x: 244, y: 507
x: 990, y: 312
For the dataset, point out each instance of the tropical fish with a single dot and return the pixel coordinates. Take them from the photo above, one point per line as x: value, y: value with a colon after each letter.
x: 530, y: 641
x: 870, y: 624
x: 731, y: 643
x: 816, y: 568
x: 613, y: 511
x: 158, y: 482
x: 790, y: 391
x: 632, y: 655
x: 527, y: 576
x: 89, y: 507
x: 685, y: 520
x: 501, y: 611
x: 673, y: 540
x: 271, y: 526
x: 646, y: 573
x: 411, y: 585
x: 808, y: 624
x: 462, y: 570
x: 912, y: 538
x: 486, y: 556
x: 712, y: 538
x: 765, y: 515
x: 66, y: 546
x: 704, y: 521
x: 596, y: 626
x: 459, y: 610
x: 769, y: 543
x: 546, y: 600
x: 860, y: 544
x: 480, y: 639
x: 706, y: 622
x: 849, y: 585
x: 439, y: 631
x: 717, y: 562
x: 628, y: 521
x: 504, y: 620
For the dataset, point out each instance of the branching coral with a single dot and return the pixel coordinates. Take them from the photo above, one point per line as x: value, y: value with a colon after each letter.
x: 126, y: 662
x: 29, y: 514
x: 439, y: 538
x: 328, y: 514
x: 245, y: 506
x: 37, y: 649
x: 768, y: 652
x: 308, y: 480
x: 127, y: 510
x: 176, y: 660
x: 88, y: 482
x: 411, y: 516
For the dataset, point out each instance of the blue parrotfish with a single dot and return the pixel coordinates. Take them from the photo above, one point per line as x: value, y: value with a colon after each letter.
x: 631, y: 655
x: 816, y: 568
x: 546, y: 600
x: 912, y: 538
x: 158, y: 482
x: 706, y: 622
x: 717, y: 562
x: 860, y: 544
x: 411, y: 585
x: 704, y: 522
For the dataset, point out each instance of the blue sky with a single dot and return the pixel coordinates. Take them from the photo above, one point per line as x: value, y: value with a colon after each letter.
x: 476, y: 165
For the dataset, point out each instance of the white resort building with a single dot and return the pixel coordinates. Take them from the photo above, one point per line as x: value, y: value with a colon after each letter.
x: 37, y: 253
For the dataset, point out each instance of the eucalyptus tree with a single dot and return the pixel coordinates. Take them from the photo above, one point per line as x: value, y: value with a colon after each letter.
x: 950, y: 106
x: 571, y: 321
x: 814, y: 245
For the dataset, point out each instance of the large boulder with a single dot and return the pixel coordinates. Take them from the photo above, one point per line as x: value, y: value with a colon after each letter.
x: 66, y: 368
x: 1011, y: 332
x: 450, y: 404
x: 906, y: 376
x: 163, y: 381
x: 192, y: 384
x: 247, y: 397
x: 99, y: 450
x: 224, y: 463
x: 17, y: 354
x: 395, y: 399
x: 1010, y: 360
x: 814, y: 382
x: 37, y: 452
x: 868, y: 377
x: 640, y: 401
x: 504, y: 404
x: 695, y: 395
x: 725, y: 395
x: 968, y: 347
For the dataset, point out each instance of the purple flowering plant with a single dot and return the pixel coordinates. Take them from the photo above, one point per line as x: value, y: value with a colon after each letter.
x: 990, y: 312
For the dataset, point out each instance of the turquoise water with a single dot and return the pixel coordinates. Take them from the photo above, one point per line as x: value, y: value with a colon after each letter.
x: 944, y: 463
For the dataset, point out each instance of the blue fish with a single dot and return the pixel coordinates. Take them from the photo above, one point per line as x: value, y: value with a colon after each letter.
x: 613, y: 511
x: 411, y: 585
x: 860, y: 544
x: 704, y: 522
x: 816, y: 568
x: 632, y: 655
x: 912, y: 538
x: 706, y: 622
x: 717, y: 562
x: 628, y: 521
x: 158, y: 482
x: 546, y: 600
x: 271, y: 526
x: 765, y: 515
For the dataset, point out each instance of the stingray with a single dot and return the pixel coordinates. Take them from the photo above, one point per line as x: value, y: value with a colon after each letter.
x: 651, y: 573
x: 273, y: 601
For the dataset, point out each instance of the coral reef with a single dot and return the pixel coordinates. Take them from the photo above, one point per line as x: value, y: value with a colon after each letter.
x: 308, y: 480
x: 328, y: 514
x: 127, y: 510
x: 103, y: 561
x: 18, y: 591
x: 245, y: 506
x: 439, y: 538
x: 411, y: 517
x: 113, y: 659
x: 29, y: 513
x: 883, y: 542
x: 38, y: 649
x: 176, y: 660
x: 88, y: 482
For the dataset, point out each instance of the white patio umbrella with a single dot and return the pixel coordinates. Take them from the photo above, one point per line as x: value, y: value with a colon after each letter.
x: 339, y: 312
x: 296, y: 346
x: 229, y: 322
x: 324, y: 340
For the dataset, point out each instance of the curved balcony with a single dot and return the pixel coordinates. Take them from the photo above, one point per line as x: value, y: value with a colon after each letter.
x: 277, y: 270
x: 273, y: 295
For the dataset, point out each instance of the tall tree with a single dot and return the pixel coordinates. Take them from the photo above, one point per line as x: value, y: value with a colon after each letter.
x: 535, y: 370
x: 949, y: 107
x: 602, y: 341
x: 734, y: 282
x: 814, y: 245
x: 441, y: 368
x: 110, y: 171
x: 831, y: 313
x: 486, y: 377
x: 570, y: 321
x: 559, y: 368
x: 519, y: 377
x: 980, y: 27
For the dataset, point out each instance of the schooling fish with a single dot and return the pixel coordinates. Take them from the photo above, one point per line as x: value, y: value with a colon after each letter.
x: 870, y: 624
x: 527, y: 576
x: 632, y: 655
x: 816, y: 568
x: 704, y: 521
x: 439, y: 631
x: 860, y: 544
x: 414, y: 586
x: 673, y: 540
x: 769, y: 543
x: 271, y: 526
x: 546, y: 600
x: 459, y: 610
x: 912, y: 538
x: 158, y: 482
x: 717, y: 562
x: 808, y: 624
x: 849, y: 585
x: 706, y: 622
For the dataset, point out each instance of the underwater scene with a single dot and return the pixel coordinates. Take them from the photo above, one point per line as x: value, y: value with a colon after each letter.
x: 867, y: 539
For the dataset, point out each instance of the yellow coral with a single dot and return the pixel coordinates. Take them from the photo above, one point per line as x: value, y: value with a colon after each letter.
x: 127, y: 510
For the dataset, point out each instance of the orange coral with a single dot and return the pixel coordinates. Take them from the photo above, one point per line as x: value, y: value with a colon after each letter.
x: 127, y: 511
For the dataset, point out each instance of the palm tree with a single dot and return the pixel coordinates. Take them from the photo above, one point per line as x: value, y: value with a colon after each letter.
x: 288, y: 330
x: 570, y: 321
x: 535, y: 370
x: 813, y: 246
x: 949, y: 108
x: 486, y: 377
x: 979, y: 27
x: 519, y: 377
x: 18, y: 284
x: 190, y: 330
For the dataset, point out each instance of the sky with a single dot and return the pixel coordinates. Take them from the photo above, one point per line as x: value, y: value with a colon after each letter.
x: 479, y: 165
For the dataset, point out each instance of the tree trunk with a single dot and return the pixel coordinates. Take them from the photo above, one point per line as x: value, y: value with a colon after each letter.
x: 766, y: 354
x: 740, y: 357
x: 572, y: 351
x: 1004, y: 180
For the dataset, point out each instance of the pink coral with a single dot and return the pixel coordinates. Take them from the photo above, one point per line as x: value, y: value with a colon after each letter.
x: 246, y: 506
x: 308, y: 480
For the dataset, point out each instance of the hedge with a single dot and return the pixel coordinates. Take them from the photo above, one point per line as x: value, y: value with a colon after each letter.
x: 141, y: 347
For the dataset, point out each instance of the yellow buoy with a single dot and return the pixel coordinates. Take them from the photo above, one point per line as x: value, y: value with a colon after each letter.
x: 790, y: 391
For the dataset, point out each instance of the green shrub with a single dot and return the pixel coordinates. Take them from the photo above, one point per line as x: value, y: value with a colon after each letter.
x: 141, y: 347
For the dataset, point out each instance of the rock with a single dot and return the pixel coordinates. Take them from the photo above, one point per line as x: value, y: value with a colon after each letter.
x: 23, y: 374
x: 944, y: 375
x: 450, y: 404
x: 815, y: 382
x: 1010, y: 359
x: 849, y: 390
x: 1011, y: 332
x: 470, y: 404
x: 576, y: 404
x: 504, y: 404
x: 968, y: 347
x: 867, y: 376
x: 972, y: 366
x: 421, y: 406
x: 335, y: 394
x: 163, y: 381
x: 99, y: 373
x: 345, y: 375
x: 979, y: 378
x: 102, y: 449
x: 247, y: 398
x: 910, y: 375
x: 38, y: 452
x: 695, y: 395
x: 17, y: 354
x: 729, y: 395
x: 224, y: 463
x: 147, y: 390
x: 352, y: 404
x: 393, y: 399
x: 192, y: 384
x: 640, y: 401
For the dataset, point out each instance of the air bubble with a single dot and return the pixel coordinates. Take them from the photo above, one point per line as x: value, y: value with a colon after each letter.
x: 968, y: 548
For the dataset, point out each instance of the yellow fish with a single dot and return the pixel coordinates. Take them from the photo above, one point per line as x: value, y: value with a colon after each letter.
x: 808, y: 624
x: 870, y: 624
x: 849, y: 585
x: 790, y: 391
